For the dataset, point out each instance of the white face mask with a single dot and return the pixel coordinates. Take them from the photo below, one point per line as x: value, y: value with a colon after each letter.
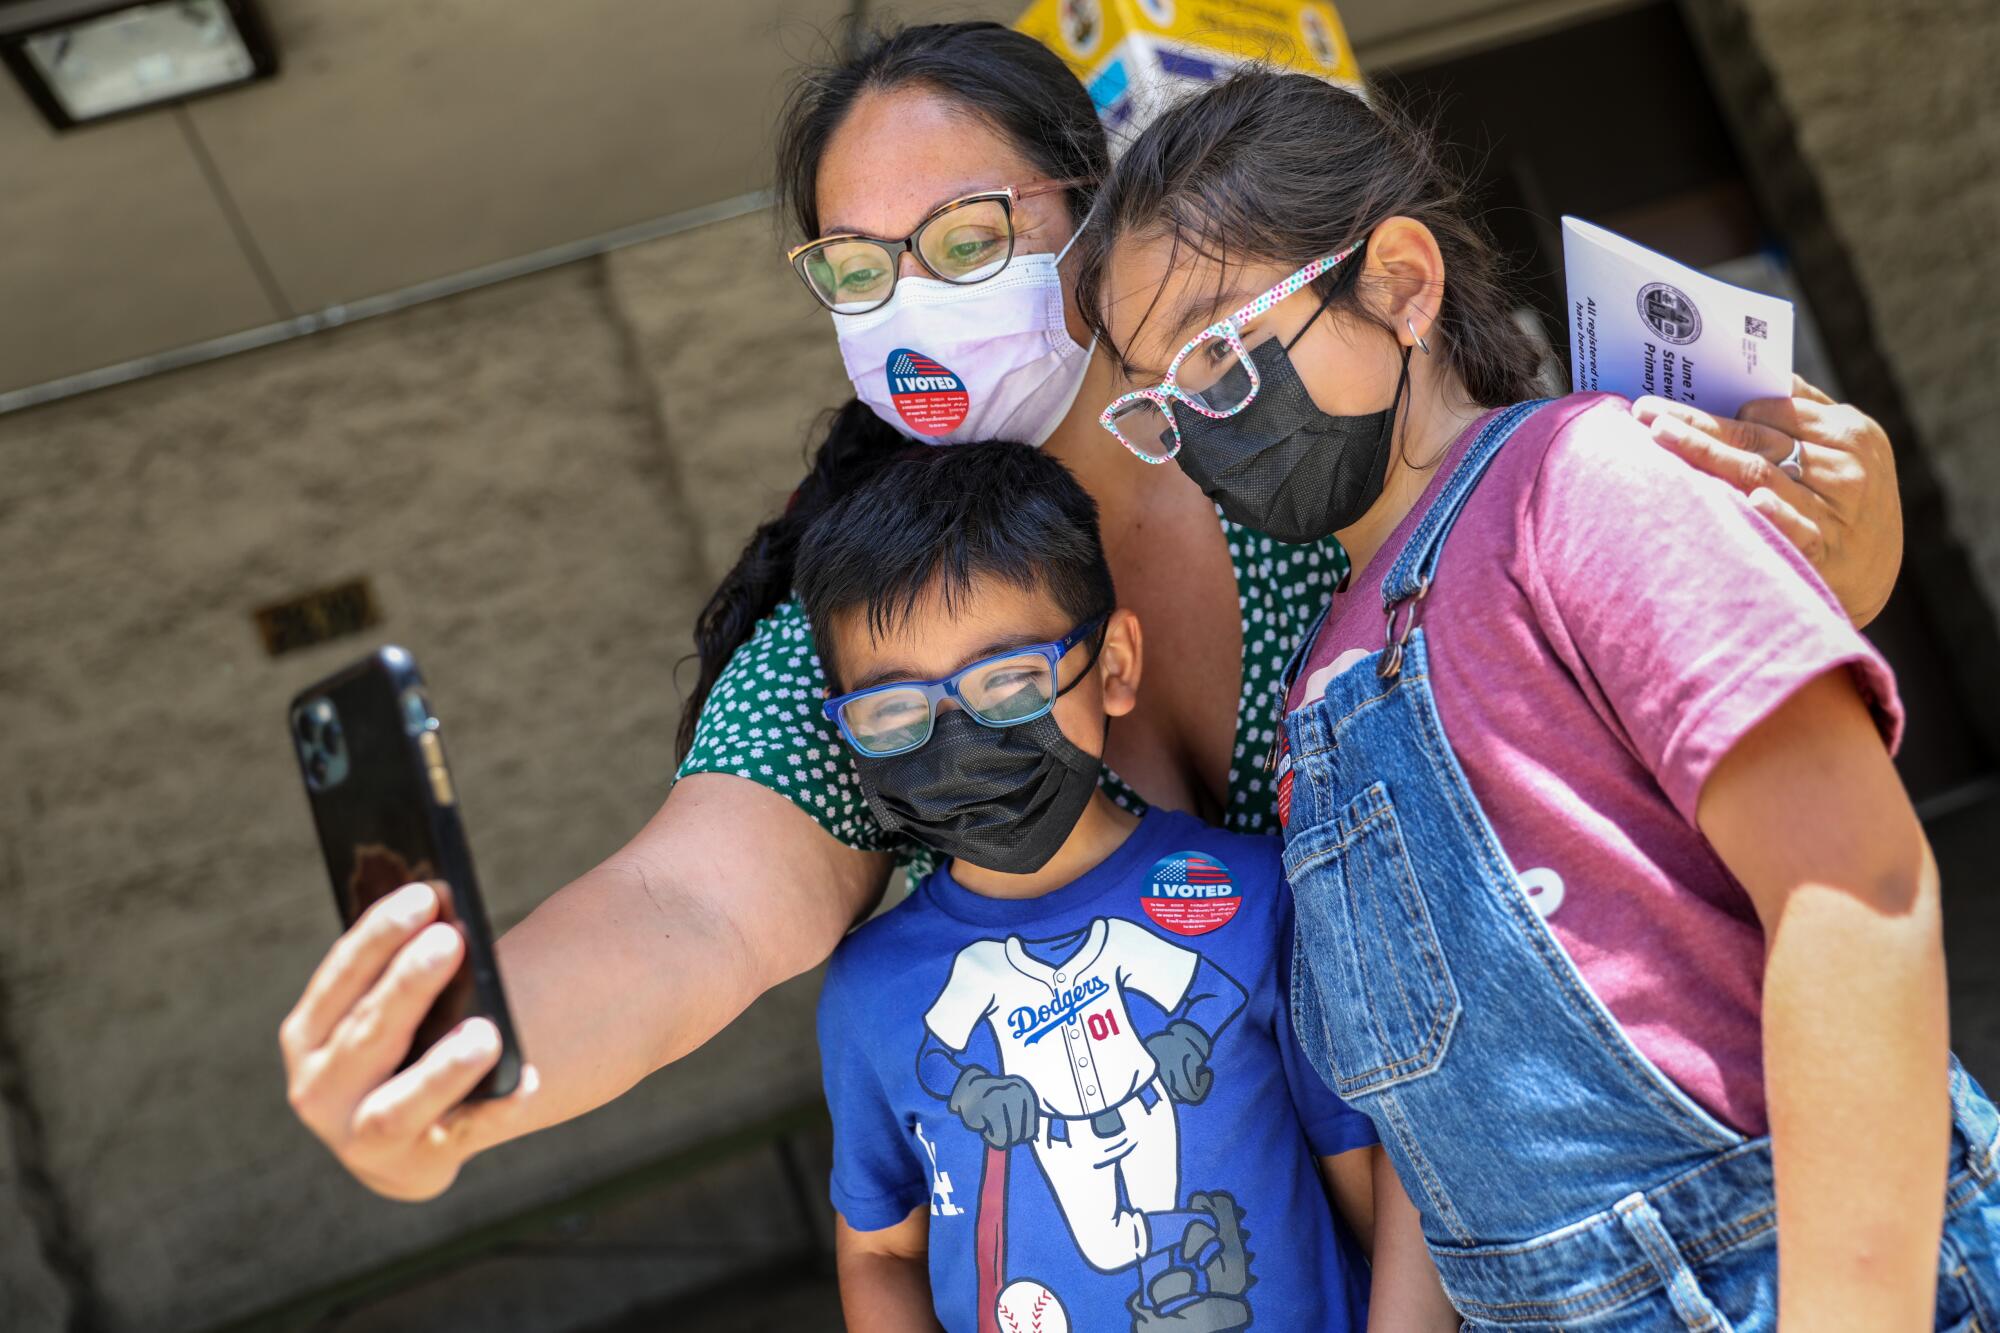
x: 950, y: 363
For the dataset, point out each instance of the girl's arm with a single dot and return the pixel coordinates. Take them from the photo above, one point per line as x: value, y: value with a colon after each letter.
x: 885, y: 1280
x: 1808, y: 813
x: 1405, y: 1296
x: 727, y: 891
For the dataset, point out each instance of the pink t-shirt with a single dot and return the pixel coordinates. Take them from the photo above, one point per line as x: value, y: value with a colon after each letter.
x: 1604, y: 625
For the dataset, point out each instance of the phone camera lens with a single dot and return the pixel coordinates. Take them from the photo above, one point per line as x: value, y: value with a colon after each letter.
x: 302, y: 725
x: 416, y: 712
x: 329, y: 736
x: 317, y: 767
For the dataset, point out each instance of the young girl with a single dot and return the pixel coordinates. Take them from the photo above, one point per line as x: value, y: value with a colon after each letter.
x: 1613, y: 914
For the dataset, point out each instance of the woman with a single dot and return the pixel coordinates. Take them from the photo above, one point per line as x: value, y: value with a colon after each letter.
x: 740, y: 881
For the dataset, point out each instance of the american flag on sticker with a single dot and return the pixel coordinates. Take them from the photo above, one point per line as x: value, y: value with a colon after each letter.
x: 1190, y: 893
x: 913, y: 363
x: 1190, y: 869
x: 928, y: 396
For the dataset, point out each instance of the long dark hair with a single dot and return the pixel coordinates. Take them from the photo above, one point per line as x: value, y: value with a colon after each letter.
x: 1018, y: 87
x: 1283, y: 168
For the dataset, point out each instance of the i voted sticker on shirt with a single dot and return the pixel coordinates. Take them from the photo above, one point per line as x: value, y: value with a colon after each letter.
x: 1190, y: 893
x: 930, y: 399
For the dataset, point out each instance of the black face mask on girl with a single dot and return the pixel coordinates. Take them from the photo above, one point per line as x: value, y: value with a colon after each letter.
x: 1283, y: 467
x: 1005, y: 798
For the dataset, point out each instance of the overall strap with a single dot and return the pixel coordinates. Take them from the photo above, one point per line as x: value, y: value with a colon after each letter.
x: 1409, y: 579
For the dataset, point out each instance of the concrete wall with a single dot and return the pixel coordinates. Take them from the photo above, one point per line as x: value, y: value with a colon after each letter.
x: 403, y: 140
x: 31, y: 1293
x: 407, y: 140
x: 1897, y: 115
x: 541, y: 479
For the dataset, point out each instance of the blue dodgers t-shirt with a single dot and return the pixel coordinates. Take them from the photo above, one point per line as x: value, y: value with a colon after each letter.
x: 1099, y: 1096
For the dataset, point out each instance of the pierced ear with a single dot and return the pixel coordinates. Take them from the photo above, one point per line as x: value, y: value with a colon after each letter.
x: 1408, y: 275
x: 1119, y: 662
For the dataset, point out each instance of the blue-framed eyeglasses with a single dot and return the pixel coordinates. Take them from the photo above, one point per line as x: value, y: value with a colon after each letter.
x: 1005, y: 690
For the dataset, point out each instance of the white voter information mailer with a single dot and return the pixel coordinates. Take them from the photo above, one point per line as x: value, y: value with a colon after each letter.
x: 1641, y: 323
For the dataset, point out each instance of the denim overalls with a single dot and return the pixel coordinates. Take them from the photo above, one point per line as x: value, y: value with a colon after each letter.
x: 1563, y: 1181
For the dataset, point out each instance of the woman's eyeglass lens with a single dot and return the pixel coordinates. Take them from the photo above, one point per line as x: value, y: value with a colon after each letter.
x: 965, y: 243
x: 1003, y: 693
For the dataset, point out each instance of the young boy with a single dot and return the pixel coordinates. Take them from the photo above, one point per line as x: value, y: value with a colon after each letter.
x: 1064, y: 1085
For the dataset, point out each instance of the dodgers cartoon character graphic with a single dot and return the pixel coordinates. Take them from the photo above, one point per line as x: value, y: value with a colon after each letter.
x: 1096, y: 1102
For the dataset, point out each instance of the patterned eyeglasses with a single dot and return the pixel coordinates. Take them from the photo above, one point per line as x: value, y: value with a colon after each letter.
x: 1213, y: 374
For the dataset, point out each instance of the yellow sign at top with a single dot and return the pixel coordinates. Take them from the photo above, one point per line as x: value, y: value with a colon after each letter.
x: 1136, y: 56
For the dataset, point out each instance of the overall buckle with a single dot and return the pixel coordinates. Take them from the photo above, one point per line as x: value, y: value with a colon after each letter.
x: 1391, y: 664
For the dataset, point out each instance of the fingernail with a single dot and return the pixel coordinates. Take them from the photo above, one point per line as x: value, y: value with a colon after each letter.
x: 438, y: 942
x: 477, y: 1037
x: 409, y: 904
x: 1669, y: 429
x: 1645, y: 409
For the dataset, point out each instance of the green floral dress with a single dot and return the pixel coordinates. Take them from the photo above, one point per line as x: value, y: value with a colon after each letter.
x: 763, y: 719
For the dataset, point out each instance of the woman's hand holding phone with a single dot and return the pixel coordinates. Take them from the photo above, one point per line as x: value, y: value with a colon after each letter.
x: 404, y: 1135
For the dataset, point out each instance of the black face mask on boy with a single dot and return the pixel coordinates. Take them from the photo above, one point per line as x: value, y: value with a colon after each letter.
x: 1004, y: 798
x: 1283, y: 467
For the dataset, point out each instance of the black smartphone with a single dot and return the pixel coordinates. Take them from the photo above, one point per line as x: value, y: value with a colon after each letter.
x: 372, y: 755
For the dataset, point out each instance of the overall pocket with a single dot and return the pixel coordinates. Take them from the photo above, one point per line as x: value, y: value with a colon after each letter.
x: 1372, y: 999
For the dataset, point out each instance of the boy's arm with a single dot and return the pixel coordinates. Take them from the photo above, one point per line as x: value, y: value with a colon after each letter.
x: 1350, y: 1183
x: 1809, y: 815
x: 885, y: 1275
x: 1404, y: 1294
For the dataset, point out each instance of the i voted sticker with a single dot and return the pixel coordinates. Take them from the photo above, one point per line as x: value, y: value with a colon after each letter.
x: 1190, y: 893
x: 930, y: 399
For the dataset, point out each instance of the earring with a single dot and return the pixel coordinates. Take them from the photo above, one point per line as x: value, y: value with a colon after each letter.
x: 1412, y: 326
